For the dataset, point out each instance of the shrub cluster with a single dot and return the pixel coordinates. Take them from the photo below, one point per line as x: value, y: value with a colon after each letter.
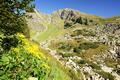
x: 88, y: 45
x: 83, y: 32
x: 85, y: 46
x: 23, y: 61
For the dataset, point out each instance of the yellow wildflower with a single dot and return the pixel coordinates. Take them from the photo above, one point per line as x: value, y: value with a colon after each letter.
x: 34, y: 49
x: 22, y: 38
x: 30, y: 47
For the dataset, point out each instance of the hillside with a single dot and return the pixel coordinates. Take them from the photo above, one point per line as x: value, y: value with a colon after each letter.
x: 44, y: 24
x: 113, y: 19
x: 85, y: 43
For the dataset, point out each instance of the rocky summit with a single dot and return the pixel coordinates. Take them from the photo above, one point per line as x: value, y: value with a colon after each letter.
x: 86, y: 44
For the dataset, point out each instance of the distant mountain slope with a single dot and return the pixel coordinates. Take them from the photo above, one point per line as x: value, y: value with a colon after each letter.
x: 113, y: 19
x: 48, y: 26
x: 45, y: 26
x: 70, y: 13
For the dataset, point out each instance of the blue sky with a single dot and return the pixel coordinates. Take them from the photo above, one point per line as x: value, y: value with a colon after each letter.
x: 105, y: 8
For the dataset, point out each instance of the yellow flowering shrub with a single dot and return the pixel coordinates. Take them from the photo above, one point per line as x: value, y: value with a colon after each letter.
x: 22, y: 39
x: 30, y: 46
x: 34, y: 49
x: 24, y: 60
x: 19, y: 62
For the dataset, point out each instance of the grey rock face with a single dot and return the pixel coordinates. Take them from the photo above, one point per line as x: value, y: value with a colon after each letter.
x: 72, y: 17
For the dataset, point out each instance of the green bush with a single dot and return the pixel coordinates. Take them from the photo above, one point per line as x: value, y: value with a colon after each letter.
x: 64, y: 46
x: 76, y: 50
x: 94, y: 66
x: 88, y: 45
x: 81, y: 62
x: 8, y: 42
x: 85, y: 46
x: 83, y: 32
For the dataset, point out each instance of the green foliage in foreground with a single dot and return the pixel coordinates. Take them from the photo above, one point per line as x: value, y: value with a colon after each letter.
x: 21, y: 66
x: 22, y: 62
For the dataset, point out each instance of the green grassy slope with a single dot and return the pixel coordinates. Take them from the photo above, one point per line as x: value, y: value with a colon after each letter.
x: 44, y: 27
x: 58, y: 72
x: 49, y: 33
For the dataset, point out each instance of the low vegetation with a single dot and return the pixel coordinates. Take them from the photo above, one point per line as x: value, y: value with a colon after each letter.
x: 98, y: 51
x: 110, y: 62
x: 83, y: 32
x: 106, y: 75
x: 23, y: 61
